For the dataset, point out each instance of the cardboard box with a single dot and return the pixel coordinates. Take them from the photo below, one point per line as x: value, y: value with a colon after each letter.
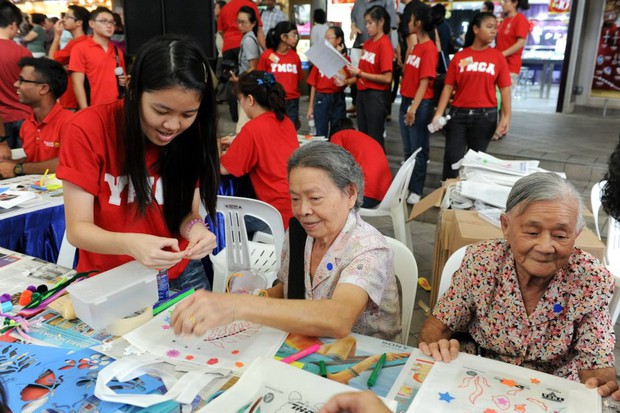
x: 457, y: 228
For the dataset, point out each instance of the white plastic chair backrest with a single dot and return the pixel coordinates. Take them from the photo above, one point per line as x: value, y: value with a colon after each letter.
x: 399, y: 188
x: 66, y: 253
x: 595, y: 202
x: 612, y: 252
x: 406, y: 270
x: 234, y: 210
x: 453, y: 264
x: 614, y: 304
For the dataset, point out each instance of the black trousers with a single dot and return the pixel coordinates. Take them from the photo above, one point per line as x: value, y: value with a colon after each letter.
x: 231, y: 99
x: 371, y: 112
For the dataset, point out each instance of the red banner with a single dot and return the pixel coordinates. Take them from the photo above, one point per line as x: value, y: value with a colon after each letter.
x: 559, y: 6
x: 606, y: 79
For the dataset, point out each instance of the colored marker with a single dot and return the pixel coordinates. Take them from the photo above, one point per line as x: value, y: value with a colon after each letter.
x: 301, y: 354
x: 322, y: 369
x: 375, y: 372
x: 172, y: 301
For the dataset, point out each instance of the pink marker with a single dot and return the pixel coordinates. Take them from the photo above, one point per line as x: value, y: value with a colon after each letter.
x: 301, y: 354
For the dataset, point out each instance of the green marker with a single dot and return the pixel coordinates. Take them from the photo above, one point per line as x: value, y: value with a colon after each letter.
x: 322, y: 369
x: 375, y: 372
x: 172, y: 301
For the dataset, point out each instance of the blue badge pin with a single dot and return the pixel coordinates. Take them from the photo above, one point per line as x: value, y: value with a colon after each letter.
x: 330, y: 266
x: 557, y: 307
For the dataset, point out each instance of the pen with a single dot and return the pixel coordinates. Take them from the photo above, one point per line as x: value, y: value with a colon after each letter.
x: 43, y: 178
x: 322, y: 369
x: 375, y: 372
x: 158, y: 308
x: 301, y: 354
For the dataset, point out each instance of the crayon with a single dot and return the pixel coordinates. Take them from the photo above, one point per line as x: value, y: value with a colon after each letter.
x: 303, y: 353
x: 322, y: 369
x: 375, y: 372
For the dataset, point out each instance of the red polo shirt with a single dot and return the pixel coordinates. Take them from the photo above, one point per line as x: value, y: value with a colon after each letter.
x: 62, y: 56
x: 41, y: 141
x: 98, y: 65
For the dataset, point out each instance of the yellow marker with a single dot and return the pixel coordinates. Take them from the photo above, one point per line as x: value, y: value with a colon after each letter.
x: 43, y: 177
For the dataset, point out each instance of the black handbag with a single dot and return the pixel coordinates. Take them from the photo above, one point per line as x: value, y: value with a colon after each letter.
x: 228, y: 66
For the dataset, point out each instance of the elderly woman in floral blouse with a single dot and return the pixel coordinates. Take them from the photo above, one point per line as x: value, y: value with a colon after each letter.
x: 532, y: 299
x: 337, y: 274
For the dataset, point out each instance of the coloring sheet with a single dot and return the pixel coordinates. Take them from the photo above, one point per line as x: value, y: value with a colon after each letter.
x: 472, y: 384
x: 410, y: 380
x: 54, y: 380
x: 233, y: 346
x: 270, y: 386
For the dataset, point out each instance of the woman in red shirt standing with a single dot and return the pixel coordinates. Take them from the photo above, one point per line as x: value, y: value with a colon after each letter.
x: 512, y: 34
x: 474, y: 73
x: 416, y: 108
x: 282, y: 60
x: 374, y: 74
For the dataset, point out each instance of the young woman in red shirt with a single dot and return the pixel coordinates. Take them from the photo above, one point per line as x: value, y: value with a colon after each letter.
x: 416, y: 108
x: 474, y: 73
x: 327, y: 103
x: 512, y: 34
x: 373, y: 76
x: 282, y: 60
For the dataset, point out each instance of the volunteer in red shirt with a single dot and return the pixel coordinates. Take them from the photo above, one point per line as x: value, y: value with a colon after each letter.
x: 369, y: 155
x: 474, y: 73
x: 97, y: 61
x: 135, y: 171
x: 75, y: 21
x: 40, y: 83
x: 264, y: 144
x: 416, y: 89
x: 282, y: 60
x: 374, y: 74
x: 327, y: 103
x: 512, y: 34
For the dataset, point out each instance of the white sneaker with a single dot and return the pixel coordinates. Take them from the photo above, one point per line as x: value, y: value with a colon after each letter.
x: 413, y: 198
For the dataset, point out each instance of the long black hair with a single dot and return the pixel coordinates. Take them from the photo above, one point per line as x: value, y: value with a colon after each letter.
x: 274, y: 37
x: 377, y: 13
x: 251, y: 17
x: 424, y: 16
x: 266, y: 91
x: 192, y: 157
x: 470, y: 36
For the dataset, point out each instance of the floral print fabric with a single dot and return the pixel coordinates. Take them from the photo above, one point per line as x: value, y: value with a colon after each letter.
x: 569, y: 330
x: 358, y: 256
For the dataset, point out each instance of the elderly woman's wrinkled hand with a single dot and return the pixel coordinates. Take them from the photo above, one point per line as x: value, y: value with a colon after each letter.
x: 604, y: 388
x: 442, y: 350
x: 202, y: 311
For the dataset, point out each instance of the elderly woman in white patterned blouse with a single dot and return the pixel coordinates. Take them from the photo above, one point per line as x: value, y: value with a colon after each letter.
x: 532, y: 299
x: 336, y: 275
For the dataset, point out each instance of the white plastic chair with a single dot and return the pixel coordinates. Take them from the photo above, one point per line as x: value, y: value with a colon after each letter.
x: 240, y: 253
x: 66, y: 253
x: 394, y: 203
x: 595, y: 202
x: 406, y: 270
x: 450, y: 267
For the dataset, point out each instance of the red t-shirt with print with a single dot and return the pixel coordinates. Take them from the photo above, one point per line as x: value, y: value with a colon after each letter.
x: 420, y: 63
x: 377, y: 57
x: 508, y: 31
x: 262, y: 149
x: 474, y: 74
x: 324, y: 84
x: 41, y: 141
x: 286, y: 68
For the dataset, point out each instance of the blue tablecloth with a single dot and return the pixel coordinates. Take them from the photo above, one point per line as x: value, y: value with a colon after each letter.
x: 38, y: 234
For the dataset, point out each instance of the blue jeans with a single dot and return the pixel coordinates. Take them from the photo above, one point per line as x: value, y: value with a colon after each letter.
x: 414, y: 137
x: 11, y: 129
x: 194, y: 276
x: 292, y: 111
x: 328, y: 108
x: 468, y: 128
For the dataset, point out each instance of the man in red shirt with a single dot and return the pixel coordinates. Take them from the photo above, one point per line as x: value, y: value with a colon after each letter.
x: 75, y: 20
x: 12, y: 113
x: 98, y: 61
x: 40, y: 83
x: 369, y: 154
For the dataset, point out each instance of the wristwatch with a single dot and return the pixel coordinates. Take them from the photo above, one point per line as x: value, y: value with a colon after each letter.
x: 3, y: 138
x: 18, y: 170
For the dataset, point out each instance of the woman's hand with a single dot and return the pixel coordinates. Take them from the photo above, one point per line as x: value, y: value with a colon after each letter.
x: 502, y: 128
x: 227, y: 140
x: 355, y: 402
x: 201, y: 242
x: 202, y: 311
x: 310, y: 114
x: 442, y: 350
x: 410, y: 117
x: 233, y: 77
x: 154, y: 252
x: 354, y: 71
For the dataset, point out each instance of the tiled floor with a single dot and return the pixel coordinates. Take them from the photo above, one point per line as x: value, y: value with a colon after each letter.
x: 578, y: 145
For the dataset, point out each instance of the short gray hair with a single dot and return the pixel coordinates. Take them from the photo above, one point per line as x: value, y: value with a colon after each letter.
x: 333, y: 159
x: 544, y: 186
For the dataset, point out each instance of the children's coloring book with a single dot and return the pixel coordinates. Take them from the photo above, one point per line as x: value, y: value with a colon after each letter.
x: 410, y: 379
x: 233, y: 346
x: 472, y: 384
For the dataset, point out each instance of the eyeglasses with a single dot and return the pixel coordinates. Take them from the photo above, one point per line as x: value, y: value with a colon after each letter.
x: 330, y: 37
x: 243, y: 22
x: 107, y: 22
x: 295, y: 35
x: 68, y: 17
x: 21, y: 80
